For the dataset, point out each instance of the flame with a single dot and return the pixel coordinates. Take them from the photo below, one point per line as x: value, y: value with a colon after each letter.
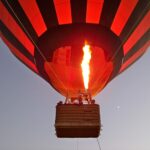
x: 85, y: 65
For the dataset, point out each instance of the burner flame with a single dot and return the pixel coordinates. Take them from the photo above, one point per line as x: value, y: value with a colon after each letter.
x: 85, y: 65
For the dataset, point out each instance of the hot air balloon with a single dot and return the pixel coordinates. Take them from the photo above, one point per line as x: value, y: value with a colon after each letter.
x: 78, y: 47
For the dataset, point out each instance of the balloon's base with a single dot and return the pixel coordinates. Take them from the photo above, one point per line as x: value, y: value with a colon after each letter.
x: 77, y: 121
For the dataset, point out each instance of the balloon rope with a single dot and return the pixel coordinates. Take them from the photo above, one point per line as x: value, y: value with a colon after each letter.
x: 77, y: 143
x: 40, y: 52
x: 124, y: 40
x: 99, y: 146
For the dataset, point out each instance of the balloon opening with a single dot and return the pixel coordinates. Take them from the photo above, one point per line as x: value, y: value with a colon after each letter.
x: 74, y: 69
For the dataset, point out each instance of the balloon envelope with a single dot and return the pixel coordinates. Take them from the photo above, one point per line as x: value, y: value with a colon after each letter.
x: 48, y: 37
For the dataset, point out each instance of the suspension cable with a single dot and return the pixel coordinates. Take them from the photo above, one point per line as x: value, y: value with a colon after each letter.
x: 99, y: 146
x: 77, y: 144
x: 40, y: 52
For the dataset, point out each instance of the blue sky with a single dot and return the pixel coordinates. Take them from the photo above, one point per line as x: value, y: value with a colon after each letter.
x: 27, y: 110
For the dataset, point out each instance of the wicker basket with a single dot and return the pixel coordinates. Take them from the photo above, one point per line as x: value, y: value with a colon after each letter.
x: 77, y: 120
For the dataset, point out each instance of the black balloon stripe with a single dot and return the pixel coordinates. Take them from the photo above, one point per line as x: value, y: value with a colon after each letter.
x: 14, y: 41
x: 140, y: 43
x: 78, y: 11
x: 108, y: 12
x: 137, y: 15
x: 22, y: 17
x: 48, y: 12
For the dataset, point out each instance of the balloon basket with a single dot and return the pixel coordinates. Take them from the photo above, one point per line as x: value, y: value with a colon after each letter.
x: 77, y: 120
